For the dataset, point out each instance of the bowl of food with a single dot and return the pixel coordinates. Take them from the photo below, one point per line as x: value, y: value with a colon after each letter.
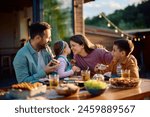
x: 95, y: 87
x: 124, y: 82
x: 67, y: 89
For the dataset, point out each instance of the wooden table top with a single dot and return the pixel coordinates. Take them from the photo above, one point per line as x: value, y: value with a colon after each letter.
x: 136, y: 93
x: 118, y: 94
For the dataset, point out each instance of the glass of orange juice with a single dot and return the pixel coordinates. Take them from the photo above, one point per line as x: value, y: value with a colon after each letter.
x: 85, y: 75
x: 125, y: 73
x: 53, y: 81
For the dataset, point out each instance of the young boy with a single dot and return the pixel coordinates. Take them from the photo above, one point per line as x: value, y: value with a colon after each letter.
x: 122, y: 57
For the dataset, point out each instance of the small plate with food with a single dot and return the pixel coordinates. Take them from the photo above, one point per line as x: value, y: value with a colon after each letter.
x: 67, y: 89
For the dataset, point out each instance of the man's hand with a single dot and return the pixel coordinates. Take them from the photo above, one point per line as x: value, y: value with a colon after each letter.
x: 54, y: 62
x: 48, y: 68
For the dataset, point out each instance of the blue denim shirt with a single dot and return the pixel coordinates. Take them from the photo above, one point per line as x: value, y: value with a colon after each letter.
x: 26, y: 62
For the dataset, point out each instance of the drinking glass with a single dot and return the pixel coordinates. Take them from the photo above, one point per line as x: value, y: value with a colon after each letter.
x: 53, y: 81
x: 125, y: 73
x: 85, y: 75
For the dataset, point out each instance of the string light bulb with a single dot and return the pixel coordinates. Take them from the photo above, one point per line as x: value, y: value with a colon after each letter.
x: 144, y: 37
x: 122, y: 35
x: 139, y: 39
x: 116, y: 31
x: 100, y: 16
x: 135, y: 39
x: 108, y: 25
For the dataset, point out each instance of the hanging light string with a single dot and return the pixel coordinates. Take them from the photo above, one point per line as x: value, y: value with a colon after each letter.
x: 117, y: 30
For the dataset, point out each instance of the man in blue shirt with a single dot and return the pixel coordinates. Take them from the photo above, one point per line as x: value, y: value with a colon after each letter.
x: 33, y: 62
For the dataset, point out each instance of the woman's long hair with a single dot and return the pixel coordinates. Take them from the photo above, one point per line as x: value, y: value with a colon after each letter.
x: 82, y: 40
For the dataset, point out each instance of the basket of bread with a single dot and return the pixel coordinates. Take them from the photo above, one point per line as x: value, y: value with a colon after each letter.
x: 124, y: 82
x: 25, y: 89
x: 67, y: 89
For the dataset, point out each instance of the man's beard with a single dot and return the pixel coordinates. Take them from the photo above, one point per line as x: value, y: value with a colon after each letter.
x: 42, y: 46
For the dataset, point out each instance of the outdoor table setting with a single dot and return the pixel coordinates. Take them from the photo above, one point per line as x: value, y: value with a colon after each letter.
x: 80, y: 88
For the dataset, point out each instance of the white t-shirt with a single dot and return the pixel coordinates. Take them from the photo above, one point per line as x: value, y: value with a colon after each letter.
x: 41, y: 63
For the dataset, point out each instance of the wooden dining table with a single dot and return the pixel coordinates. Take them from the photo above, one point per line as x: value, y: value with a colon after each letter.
x: 137, y: 93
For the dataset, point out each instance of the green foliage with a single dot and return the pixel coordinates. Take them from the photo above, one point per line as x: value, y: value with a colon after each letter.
x: 132, y: 17
x: 60, y: 19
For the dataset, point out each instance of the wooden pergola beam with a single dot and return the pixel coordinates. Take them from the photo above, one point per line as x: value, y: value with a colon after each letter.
x: 85, y: 1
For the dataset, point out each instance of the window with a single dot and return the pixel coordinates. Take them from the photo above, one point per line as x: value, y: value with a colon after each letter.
x: 59, y: 14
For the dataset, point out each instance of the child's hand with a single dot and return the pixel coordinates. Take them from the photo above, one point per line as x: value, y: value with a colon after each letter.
x: 96, y: 67
x: 73, y: 62
x: 76, y: 69
x: 99, y: 67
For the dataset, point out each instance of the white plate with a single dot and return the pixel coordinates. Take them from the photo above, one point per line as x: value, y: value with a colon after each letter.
x: 43, y: 79
x: 52, y: 94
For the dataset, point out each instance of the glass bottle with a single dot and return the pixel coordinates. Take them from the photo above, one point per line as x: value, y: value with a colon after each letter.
x: 118, y: 70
